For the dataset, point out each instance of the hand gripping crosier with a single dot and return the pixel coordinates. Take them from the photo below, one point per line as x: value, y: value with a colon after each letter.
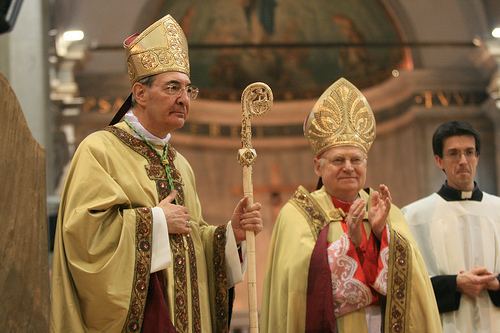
x: 256, y: 99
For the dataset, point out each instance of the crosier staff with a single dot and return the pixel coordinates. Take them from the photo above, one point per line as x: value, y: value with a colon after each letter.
x: 256, y: 99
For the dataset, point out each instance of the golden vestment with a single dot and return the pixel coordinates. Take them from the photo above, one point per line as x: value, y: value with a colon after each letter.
x: 102, y: 253
x: 410, y: 303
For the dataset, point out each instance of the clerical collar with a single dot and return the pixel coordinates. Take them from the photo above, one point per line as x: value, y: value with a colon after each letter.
x: 132, y: 119
x: 450, y: 194
x: 344, y: 205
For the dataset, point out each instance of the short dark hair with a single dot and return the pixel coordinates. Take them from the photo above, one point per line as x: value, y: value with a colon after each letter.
x: 453, y: 128
x: 147, y: 81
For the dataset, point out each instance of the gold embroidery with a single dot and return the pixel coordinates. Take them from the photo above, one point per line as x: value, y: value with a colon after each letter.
x: 156, y: 171
x: 314, y: 214
x: 221, y: 296
x: 180, y: 253
x: 162, y: 47
x: 398, y: 284
x: 143, y: 239
x: 180, y: 283
x: 195, y: 297
x: 341, y: 116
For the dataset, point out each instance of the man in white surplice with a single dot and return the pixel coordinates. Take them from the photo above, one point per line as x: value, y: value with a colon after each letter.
x: 458, y: 231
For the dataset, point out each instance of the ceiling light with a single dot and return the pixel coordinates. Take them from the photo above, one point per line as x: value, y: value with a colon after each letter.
x: 73, y: 35
x: 496, y: 32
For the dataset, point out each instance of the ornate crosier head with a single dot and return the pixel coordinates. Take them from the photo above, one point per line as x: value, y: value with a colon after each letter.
x: 162, y: 47
x: 256, y: 99
x: 340, y: 117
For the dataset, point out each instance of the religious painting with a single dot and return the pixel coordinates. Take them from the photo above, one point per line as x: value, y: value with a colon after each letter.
x: 297, y: 47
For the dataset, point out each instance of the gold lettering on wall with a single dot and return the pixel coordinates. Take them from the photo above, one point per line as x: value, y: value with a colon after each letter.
x: 427, y: 99
x: 458, y: 97
x: 439, y: 98
x: 214, y: 130
x: 102, y: 104
x: 443, y: 99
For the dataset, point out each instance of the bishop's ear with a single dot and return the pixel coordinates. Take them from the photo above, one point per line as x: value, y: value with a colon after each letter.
x: 139, y: 92
x: 317, y: 166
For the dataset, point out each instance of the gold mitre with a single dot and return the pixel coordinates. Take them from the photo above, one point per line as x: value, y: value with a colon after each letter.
x: 340, y: 117
x: 162, y: 47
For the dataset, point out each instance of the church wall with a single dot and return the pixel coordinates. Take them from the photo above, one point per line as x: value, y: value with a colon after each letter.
x: 429, y: 86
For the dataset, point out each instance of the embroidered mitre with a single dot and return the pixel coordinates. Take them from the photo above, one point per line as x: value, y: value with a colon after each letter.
x: 340, y: 117
x: 162, y: 47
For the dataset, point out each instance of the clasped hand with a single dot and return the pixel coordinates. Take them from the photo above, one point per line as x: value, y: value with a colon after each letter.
x: 380, y: 206
x: 473, y: 282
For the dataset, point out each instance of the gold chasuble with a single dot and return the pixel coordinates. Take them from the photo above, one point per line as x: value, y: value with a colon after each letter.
x: 410, y: 306
x: 103, y: 242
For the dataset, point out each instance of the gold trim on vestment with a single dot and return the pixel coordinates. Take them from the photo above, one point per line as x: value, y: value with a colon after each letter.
x: 314, y: 214
x: 398, y: 284
x: 143, y: 241
x: 398, y: 280
x: 195, y: 296
x: 221, y: 287
x: 182, y: 247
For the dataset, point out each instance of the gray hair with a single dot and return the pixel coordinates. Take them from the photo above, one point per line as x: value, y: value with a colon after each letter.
x: 148, y: 82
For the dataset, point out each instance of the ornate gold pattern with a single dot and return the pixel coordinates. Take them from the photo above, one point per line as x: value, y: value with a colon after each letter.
x: 162, y: 47
x: 180, y: 283
x: 221, y: 294
x: 246, y: 156
x: 180, y: 253
x: 155, y: 169
x: 195, y: 297
x: 314, y: 214
x: 143, y: 241
x: 399, y: 260
x: 256, y: 99
x: 340, y: 117
x: 398, y: 284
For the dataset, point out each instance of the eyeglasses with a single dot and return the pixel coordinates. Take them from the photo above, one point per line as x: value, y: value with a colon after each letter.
x: 340, y: 161
x: 455, y: 154
x: 175, y: 89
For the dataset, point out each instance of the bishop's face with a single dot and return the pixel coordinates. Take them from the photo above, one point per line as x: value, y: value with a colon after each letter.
x: 343, y: 171
x: 459, y: 161
x: 164, y: 106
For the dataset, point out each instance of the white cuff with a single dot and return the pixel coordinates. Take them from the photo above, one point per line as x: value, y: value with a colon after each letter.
x: 234, y: 268
x: 161, y: 256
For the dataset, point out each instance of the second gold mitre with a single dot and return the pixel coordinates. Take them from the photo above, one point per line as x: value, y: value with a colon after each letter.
x: 162, y: 47
x: 340, y: 117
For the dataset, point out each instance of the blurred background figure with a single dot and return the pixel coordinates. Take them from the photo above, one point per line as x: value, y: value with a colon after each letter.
x: 457, y: 229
